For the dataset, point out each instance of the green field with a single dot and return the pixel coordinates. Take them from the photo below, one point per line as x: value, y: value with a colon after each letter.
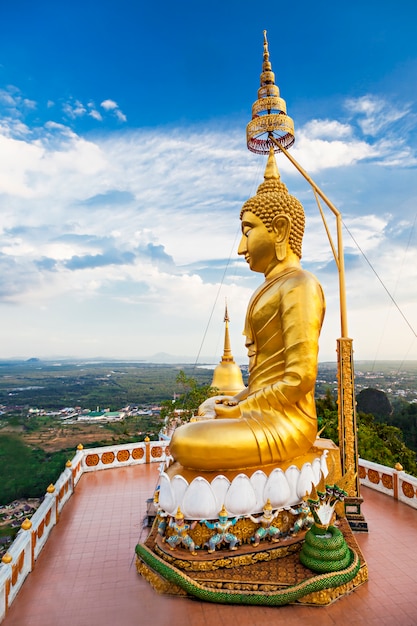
x: 113, y: 385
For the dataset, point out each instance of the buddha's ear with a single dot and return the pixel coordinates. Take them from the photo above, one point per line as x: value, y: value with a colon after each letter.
x: 281, y: 226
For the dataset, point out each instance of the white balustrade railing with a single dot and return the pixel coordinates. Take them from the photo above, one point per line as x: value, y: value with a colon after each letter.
x: 393, y: 482
x: 126, y: 454
x: 21, y: 556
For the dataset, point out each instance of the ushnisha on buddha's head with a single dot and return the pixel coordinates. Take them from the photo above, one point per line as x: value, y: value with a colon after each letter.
x: 272, y: 224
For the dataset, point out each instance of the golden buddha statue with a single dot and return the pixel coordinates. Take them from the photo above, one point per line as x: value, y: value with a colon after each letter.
x: 274, y: 419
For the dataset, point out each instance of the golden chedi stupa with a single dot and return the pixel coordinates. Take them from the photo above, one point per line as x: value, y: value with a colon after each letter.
x: 227, y: 376
x: 249, y: 487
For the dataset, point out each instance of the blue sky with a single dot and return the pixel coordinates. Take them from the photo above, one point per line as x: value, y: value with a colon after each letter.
x: 123, y: 167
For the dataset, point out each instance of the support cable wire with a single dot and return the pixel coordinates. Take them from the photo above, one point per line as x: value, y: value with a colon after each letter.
x: 395, y: 289
x: 336, y: 258
x: 391, y: 297
x: 212, y: 310
x: 254, y: 184
x: 215, y: 302
x: 256, y: 177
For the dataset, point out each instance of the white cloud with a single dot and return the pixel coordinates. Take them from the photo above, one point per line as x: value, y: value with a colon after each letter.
x: 32, y: 168
x: 375, y: 114
x: 96, y: 115
x: 29, y: 104
x: 325, y: 143
x: 120, y: 116
x: 6, y: 99
x: 318, y: 154
x: 122, y: 239
x: 14, y: 128
x: 367, y: 231
x: 74, y: 109
x: 109, y: 105
x: 327, y: 129
x: 15, y: 159
x: 14, y: 103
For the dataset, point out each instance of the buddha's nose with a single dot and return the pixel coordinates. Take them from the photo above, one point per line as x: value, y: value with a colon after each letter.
x: 242, y: 246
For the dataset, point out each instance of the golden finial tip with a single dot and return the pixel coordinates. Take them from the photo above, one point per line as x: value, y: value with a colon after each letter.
x: 271, y: 170
x: 266, y: 52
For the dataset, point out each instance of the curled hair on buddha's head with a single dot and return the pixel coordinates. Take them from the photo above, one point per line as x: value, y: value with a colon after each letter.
x: 272, y: 199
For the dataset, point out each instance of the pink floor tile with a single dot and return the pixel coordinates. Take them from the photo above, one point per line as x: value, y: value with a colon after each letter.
x: 86, y: 573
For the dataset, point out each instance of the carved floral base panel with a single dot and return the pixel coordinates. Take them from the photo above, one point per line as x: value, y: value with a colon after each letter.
x: 270, y: 574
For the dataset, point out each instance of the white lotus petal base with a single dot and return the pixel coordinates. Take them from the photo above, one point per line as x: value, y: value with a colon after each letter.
x: 202, y: 495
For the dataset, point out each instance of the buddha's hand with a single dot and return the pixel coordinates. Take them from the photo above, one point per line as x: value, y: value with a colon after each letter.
x: 227, y: 408
x: 206, y: 409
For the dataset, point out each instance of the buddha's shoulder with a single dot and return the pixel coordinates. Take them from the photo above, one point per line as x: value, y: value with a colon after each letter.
x: 298, y: 277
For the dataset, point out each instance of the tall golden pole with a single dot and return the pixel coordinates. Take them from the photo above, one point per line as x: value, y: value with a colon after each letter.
x: 270, y: 126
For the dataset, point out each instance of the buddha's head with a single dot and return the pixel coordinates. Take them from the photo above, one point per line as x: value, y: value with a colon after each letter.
x: 272, y: 202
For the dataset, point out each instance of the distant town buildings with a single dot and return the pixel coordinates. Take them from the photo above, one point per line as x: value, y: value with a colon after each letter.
x: 78, y: 414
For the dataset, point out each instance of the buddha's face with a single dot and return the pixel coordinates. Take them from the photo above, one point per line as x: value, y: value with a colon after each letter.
x: 257, y: 244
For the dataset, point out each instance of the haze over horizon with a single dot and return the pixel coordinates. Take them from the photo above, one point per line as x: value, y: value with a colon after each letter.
x: 123, y: 168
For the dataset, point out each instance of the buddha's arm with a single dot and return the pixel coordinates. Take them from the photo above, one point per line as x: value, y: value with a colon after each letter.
x: 241, y: 395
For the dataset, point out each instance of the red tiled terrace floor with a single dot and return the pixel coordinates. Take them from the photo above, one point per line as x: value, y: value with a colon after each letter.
x: 86, y: 574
